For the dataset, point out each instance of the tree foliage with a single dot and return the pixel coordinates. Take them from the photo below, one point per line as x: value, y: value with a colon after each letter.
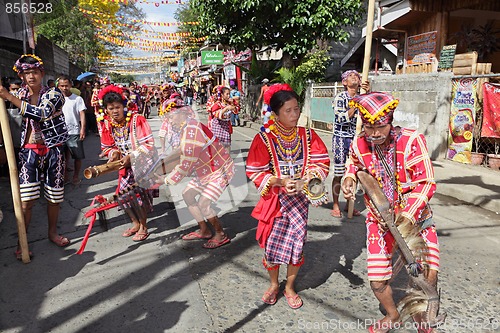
x: 312, y: 69
x: 294, y: 26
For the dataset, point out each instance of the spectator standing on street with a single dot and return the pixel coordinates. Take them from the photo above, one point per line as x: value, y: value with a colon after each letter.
x: 344, y: 130
x: 263, y: 89
x: 189, y: 95
x: 51, y: 83
x: 44, y: 133
x: 281, y: 158
x: 235, y: 96
x: 398, y: 159
x: 74, y: 114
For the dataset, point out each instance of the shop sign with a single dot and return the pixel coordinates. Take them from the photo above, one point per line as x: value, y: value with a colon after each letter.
x: 212, y: 58
x: 421, y: 48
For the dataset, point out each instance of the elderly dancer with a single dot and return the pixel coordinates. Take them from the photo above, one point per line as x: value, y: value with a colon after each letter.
x: 123, y: 135
x: 203, y: 155
x: 398, y: 159
x: 44, y: 133
x: 280, y: 160
x: 344, y: 130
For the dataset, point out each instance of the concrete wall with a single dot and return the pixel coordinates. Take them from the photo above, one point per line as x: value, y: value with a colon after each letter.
x: 424, y: 105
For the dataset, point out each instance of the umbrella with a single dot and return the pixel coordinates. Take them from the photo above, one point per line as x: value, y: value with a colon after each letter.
x: 85, y: 75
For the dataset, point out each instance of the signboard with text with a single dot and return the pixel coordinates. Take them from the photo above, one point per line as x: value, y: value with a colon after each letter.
x: 212, y: 58
x: 421, y: 48
x: 447, y: 56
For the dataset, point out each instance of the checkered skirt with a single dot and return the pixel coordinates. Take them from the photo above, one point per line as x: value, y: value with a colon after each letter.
x: 287, y: 238
x: 220, y: 128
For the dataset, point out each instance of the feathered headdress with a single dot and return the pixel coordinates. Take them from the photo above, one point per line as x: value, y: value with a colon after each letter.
x: 110, y: 89
x: 274, y: 89
x: 268, y: 119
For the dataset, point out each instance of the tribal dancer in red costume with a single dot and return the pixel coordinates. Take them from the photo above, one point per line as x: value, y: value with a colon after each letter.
x: 204, y: 156
x: 399, y: 160
x: 220, y: 107
x: 281, y: 158
x: 126, y: 135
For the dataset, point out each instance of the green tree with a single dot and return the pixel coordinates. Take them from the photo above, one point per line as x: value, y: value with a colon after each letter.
x: 312, y: 69
x: 290, y: 25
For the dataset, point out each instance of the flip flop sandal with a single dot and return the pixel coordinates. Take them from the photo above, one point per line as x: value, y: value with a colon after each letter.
x: 139, y: 237
x: 61, y: 241
x: 194, y: 236
x: 292, y: 300
x: 270, y: 298
x: 129, y: 232
x: 213, y: 244
x: 19, y: 254
x: 336, y: 213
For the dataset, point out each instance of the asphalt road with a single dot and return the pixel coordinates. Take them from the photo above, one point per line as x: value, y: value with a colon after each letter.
x: 165, y: 284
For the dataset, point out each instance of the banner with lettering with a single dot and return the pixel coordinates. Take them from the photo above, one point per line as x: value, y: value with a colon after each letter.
x: 421, y: 48
x: 491, y: 111
x: 462, y: 117
x: 212, y: 58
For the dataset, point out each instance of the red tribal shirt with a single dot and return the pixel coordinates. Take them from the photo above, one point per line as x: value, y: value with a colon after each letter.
x: 415, y: 183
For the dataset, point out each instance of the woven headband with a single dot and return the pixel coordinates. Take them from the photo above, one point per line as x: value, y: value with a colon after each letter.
x: 20, y: 67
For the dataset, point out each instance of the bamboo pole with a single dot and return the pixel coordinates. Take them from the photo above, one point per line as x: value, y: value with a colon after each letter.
x: 364, y: 77
x: 14, y: 182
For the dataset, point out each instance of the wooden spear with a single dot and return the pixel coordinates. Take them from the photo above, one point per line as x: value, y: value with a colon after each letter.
x: 14, y: 182
x: 364, y: 77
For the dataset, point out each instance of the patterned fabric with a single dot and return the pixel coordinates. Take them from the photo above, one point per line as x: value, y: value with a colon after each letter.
x: 415, y: 186
x: 285, y: 241
x: 47, y: 167
x: 413, y: 169
x: 171, y: 136
x: 21, y: 67
x: 46, y: 119
x: 375, y: 107
x: 119, y: 138
x: 135, y: 138
x: 340, y: 149
x: 202, y: 154
x: 346, y: 74
x: 222, y: 130
x: 343, y: 125
x: 379, y: 248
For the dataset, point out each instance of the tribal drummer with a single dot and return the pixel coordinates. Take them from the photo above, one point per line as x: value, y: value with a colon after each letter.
x: 203, y: 155
x: 124, y: 136
x: 399, y: 160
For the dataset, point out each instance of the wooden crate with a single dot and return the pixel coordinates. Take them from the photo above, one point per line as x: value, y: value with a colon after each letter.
x: 465, y: 63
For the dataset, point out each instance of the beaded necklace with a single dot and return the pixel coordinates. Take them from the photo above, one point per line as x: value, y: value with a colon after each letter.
x: 289, y: 145
x: 388, y: 181
x: 127, y: 119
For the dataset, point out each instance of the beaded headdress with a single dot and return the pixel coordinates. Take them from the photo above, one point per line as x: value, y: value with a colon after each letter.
x: 268, y: 117
x: 20, y: 67
x: 375, y: 107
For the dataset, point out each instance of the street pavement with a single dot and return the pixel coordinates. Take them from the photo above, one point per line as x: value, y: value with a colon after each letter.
x: 165, y: 284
